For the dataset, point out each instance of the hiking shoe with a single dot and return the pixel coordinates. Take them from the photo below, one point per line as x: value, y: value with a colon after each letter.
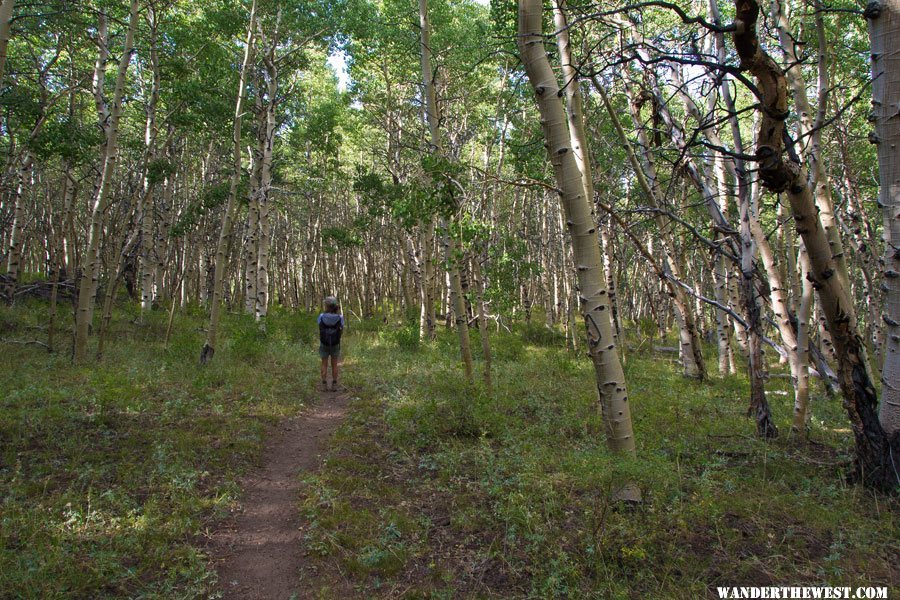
x: 334, y: 386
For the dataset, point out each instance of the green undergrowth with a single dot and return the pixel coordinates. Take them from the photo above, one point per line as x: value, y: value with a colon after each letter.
x: 109, y: 472
x: 437, y: 490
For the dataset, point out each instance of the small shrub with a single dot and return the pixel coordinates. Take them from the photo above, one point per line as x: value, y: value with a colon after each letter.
x: 300, y: 328
x: 246, y: 341
x: 541, y: 335
x: 407, y: 338
x: 508, y: 347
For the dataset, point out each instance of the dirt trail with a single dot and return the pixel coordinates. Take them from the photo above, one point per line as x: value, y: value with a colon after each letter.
x: 259, y: 552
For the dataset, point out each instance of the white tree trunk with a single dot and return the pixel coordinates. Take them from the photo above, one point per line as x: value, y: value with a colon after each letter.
x: 884, y: 30
x: 87, y: 285
x: 209, y: 348
x: 583, y: 229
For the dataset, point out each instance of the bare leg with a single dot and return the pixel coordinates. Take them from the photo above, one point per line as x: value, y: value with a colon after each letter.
x: 335, y: 368
x: 324, y: 369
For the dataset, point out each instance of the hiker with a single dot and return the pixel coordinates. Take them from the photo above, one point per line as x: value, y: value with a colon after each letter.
x: 331, y: 326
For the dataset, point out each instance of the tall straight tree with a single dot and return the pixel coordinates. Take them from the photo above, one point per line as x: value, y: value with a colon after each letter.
x: 884, y: 31
x: 451, y: 245
x: 6, y: 13
x: 109, y: 117
x: 209, y: 348
x: 593, y: 296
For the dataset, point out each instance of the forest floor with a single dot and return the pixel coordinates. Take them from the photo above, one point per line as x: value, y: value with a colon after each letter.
x: 114, y: 476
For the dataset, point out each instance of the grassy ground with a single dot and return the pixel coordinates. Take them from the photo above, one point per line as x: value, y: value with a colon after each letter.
x: 435, y: 492
x: 109, y: 473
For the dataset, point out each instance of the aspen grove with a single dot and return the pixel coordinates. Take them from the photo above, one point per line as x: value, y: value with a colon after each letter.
x: 706, y: 183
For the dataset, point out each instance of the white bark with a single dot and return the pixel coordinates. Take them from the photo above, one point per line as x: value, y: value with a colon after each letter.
x: 884, y: 30
x: 109, y: 118
x: 582, y: 226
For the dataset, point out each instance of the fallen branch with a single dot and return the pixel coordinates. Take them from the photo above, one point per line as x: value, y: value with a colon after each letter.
x: 25, y: 343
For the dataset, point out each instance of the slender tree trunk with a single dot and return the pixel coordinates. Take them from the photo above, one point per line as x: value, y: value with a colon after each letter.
x: 884, y: 31
x: 113, y: 277
x: 453, y: 251
x: 146, y: 208
x: 428, y: 319
x: 688, y: 337
x: 265, y: 181
x: 580, y: 147
x: 87, y: 285
x: 801, y: 398
x: 17, y: 232
x: 784, y: 316
x: 482, y: 322
x: 209, y: 347
x: 6, y: 13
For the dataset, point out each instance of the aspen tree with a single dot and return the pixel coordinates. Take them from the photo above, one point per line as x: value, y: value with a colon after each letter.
x: 582, y: 226
x: 6, y: 13
x: 884, y: 32
x: 109, y: 115
x: 146, y: 208
x: 689, y: 340
x: 261, y: 303
x: 209, y: 347
x: 451, y: 246
x: 581, y: 149
x: 874, y: 448
x: 17, y: 231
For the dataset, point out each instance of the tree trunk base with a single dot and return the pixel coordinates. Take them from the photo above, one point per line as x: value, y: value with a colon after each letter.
x: 206, y: 354
x: 879, y: 468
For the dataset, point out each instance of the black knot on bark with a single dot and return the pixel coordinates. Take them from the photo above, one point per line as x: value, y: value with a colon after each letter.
x: 873, y: 10
x: 772, y: 171
x: 827, y: 274
x: 778, y: 115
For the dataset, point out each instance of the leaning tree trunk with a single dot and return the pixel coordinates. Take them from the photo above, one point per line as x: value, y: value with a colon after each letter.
x: 583, y: 229
x: 209, y: 348
x: 688, y: 337
x: 87, y: 284
x: 884, y: 30
x: 874, y: 449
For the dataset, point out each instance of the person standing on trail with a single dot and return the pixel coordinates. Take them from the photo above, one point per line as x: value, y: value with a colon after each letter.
x: 331, y: 326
